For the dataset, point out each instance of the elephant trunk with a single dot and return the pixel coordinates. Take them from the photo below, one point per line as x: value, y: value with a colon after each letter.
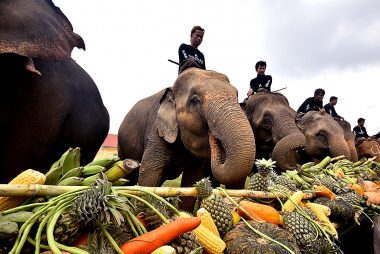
x: 339, y: 147
x: 289, y: 143
x: 231, y: 140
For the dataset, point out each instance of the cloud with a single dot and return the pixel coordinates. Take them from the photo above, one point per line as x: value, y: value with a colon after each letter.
x: 309, y: 36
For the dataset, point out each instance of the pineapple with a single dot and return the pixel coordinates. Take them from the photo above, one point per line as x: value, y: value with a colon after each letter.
x: 262, y: 179
x: 284, y: 181
x: 300, y: 227
x: 215, y: 205
x: 351, y: 197
x: 185, y: 243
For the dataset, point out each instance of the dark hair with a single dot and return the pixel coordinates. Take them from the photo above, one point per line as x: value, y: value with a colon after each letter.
x: 319, y: 91
x: 195, y: 28
x: 261, y: 63
x: 333, y: 98
x: 361, y: 119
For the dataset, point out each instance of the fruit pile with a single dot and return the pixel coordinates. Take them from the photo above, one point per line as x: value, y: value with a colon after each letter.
x: 104, y: 216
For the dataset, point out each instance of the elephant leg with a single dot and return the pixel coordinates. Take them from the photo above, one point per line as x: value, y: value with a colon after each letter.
x: 192, y: 173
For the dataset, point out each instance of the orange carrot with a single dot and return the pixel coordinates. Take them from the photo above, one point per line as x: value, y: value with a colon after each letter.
x: 264, y: 212
x: 322, y: 191
x: 148, y: 242
x: 373, y: 197
x: 358, y: 188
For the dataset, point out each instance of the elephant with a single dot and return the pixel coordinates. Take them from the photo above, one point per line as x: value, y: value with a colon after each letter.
x: 324, y: 136
x: 48, y: 102
x: 276, y: 133
x: 349, y: 137
x: 196, y: 127
x: 369, y: 149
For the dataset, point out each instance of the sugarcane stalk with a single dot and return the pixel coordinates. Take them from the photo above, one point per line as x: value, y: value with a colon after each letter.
x: 9, y: 190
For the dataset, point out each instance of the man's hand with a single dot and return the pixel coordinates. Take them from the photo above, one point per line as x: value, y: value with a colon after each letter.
x: 250, y: 92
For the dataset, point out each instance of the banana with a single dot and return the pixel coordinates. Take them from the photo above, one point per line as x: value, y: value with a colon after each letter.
x: 8, y: 229
x: 72, y: 172
x: 92, y: 169
x: 307, y: 165
x: 19, y: 217
x: 70, y: 160
x: 299, y: 181
x: 307, y: 174
x: 53, y: 176
x: 120, y: 182
x: 72, y: 181
x: 88, y: 181
x: 307, y: 179
x: 104, y: 162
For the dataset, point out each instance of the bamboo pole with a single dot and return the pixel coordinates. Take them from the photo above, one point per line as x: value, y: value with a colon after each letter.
x: 10, y: 190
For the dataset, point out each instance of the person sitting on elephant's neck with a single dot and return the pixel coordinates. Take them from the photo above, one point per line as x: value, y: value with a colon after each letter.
x: 360, y: 131
x: 312, y: 103
x: 262, y: 81
x: 330, y: 109
x: 189, y: 55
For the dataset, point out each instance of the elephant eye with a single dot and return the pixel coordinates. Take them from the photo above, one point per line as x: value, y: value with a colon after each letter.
x: 195, y: 100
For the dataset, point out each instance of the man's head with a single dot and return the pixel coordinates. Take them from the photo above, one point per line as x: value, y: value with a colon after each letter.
x: 319, y: 94
x: 361, y: 122
x: 196, y: 36
x: 261, y: 67
x: 333, y: 100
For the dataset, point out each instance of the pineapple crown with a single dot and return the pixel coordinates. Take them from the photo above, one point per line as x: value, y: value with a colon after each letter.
x: 265, y: 164
x: 204, y: 187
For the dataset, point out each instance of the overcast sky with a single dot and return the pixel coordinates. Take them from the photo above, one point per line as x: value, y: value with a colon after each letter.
x: 308, y: 44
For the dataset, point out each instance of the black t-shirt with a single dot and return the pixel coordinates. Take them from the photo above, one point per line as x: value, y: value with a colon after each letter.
x: 186, y: 51
x: 261, y: 81
x: 330, y: 109
x: 310, y: 105
x: 360, y: 132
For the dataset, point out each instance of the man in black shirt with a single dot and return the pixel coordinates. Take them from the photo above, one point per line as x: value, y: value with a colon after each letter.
x: 262, y: 81
x: 312, y: 103
x: 360, y: 131
x: 189, y: 55
x: 330, y: 109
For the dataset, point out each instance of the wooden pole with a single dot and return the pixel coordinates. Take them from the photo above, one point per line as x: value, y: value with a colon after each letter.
x: 10, y: 190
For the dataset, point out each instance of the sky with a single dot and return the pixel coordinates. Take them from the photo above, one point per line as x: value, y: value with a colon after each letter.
x: 307, y: 44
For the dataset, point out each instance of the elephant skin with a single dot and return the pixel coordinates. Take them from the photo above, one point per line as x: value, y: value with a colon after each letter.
x: 276, y: 133
x: 41, y: 116
x: 324, y: 136
x: 349, y: 137
x: 193, y: 127
x: 369, y: 149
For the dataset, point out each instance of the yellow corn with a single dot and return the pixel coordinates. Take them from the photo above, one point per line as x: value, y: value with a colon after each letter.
x: 291, y: 203
x: 316, y: 209
x: 212, y: 243
x: 325, y: 209
x: 28, y: 176
x: 166, y: 249
x: 207, y: 221
x: 235, y: 216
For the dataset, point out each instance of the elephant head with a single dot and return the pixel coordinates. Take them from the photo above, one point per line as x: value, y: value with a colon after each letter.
x: 349, y: 137
x: 369, y: 149
x: 202, y: 110
x: 324, y: 136
x: 272, y: 121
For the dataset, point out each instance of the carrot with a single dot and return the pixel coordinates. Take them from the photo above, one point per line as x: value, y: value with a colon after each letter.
x: 373, y: 197
x: 141, y: 218
x: 358, y: 188
x: 370, y: 186
x: 323, y: 191
x: 154, y: 239
x: 81, y: 241
x: 264, y: 212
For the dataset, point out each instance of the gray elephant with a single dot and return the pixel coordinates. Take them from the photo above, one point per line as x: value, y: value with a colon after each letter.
x: 195, y: 126
x: 324, y: 136
x: 48, y: 103
x: 276, y: 133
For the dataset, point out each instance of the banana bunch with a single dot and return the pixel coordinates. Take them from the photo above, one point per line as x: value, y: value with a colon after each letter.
x: 67, y: 171
x: 11, y: 223
x: 299, y: 179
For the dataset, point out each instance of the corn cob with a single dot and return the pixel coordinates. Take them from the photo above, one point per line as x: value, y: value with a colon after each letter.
x: 28, y: 176
x: 322, y: 218
x: 294, y: 200
x: 212, y: 244
x: 207, y: 221
x: 166, y: 249
x: 326, y: 210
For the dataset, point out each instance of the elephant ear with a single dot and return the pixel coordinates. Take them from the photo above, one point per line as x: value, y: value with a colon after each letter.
x: 166, y: 121
x: 36, y: 29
